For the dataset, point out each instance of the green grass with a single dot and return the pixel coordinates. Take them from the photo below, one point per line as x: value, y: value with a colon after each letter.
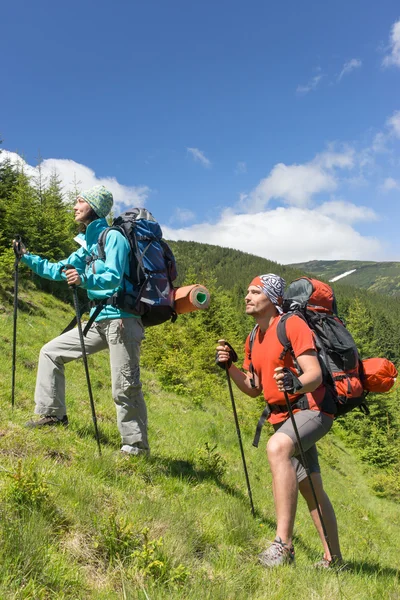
x: 177, y: 525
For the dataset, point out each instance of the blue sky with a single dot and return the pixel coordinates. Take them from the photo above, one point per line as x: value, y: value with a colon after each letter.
x: 274, y: 129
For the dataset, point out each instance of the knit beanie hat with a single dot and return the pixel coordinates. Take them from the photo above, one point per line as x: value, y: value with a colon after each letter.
x: 272, y: 286
x: 99, y: 198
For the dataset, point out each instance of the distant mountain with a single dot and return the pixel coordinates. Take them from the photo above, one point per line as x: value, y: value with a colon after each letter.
x: 382, y: 277
x: 235, y: 269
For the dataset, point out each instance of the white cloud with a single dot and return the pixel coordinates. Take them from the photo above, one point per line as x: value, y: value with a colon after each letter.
x: 390, y: 184
x: 199, y: 156
x: 329, y: 159
x: 349, y: 66
x: 241, y: 167
x: 183, y: 215
x: 297, y: 184
x: 285, y: 235
x: 382, y: 141
x: 294, y: 184
x: 379, y: 143
x: 310, y: 86
x: 69, y: 171
x: 351, y: 213
x: 393, y: 59
x: 394, y: 123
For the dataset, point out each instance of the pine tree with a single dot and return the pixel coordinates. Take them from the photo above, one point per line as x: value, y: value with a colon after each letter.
x: 20, y: 210
x: 386, y: 336
x: 39, y: 181
x: 361, y: 327
x: 55, y: 221
x: 8, y: 180
x: 73, y: 192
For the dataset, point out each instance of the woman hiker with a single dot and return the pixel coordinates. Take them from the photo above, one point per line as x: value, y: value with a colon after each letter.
x: 119, y: 331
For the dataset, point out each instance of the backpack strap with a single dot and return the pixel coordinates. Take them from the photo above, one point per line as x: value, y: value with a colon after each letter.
x: 301, y: 404
x: 283, y: 337
x: 82, y: 308
x: 96, y: 312
x: 251, y: 368
x: 266, y: 413
x: 101, y: 242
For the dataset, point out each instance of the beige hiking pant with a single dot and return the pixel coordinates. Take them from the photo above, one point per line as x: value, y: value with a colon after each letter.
x: 123, y: 338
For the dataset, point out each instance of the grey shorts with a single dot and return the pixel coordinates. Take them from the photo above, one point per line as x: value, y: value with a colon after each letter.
x: 312, y: 426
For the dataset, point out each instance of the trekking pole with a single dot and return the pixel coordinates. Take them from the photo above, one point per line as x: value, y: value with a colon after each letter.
x: 84, y: 357
x: 240, y: 439
x: 17, y: 251
x: 305, y: 465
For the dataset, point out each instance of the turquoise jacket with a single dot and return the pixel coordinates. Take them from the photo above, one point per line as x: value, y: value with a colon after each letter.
x: 101, y: 278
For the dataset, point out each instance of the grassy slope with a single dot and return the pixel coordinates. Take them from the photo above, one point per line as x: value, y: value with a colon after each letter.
x: 79, y: 543
x: 382, y: 277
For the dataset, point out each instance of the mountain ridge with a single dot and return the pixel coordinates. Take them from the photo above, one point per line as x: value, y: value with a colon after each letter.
x: 381, y: 277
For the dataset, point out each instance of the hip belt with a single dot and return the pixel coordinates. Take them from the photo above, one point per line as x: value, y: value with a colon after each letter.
x: 301, y: 403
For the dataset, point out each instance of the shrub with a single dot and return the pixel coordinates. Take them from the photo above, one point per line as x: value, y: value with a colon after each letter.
x: 211, y: 461
x: 119, y: 543
x: 28, y: 488
x: 115, y: 538
x: 151, y: 561
x: 387, y: 484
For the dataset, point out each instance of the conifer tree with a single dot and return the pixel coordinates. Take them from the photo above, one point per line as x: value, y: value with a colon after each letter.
x: 361, y: 327
x: 39, y: 181
x: 386, y: 336
x: 55, y: 221
x: 20, y: 210
x: 8, y: 179
x: 73, y: 192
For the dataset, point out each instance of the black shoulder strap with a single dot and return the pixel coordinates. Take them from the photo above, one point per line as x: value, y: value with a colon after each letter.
x: 283, y: 337
x: 281, y: 332
x: 251, y: 368
x: 101, y: 242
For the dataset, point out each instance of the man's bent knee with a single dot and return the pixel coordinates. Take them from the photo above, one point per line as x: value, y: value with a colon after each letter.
x: 280, y: 446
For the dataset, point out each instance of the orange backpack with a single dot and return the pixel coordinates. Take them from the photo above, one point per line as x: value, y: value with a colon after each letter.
x: 348, y: 377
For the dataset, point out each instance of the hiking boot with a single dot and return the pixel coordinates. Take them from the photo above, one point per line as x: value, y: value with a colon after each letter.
x: 336, y: 562
x: 277, y: 554
x: 134, y: 450
x: 49, y: 421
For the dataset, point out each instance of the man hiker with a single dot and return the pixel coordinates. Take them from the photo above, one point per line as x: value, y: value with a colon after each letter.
x: 121, y: 332
x: 263, y: 300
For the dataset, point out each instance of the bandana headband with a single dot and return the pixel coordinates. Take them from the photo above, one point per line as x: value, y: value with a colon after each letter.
x: 272, y: 286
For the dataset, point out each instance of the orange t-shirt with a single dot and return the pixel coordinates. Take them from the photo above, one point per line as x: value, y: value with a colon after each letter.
x: 265, y: 355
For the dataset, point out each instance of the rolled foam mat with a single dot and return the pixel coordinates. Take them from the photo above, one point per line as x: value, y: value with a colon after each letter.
x: 191, y: 297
